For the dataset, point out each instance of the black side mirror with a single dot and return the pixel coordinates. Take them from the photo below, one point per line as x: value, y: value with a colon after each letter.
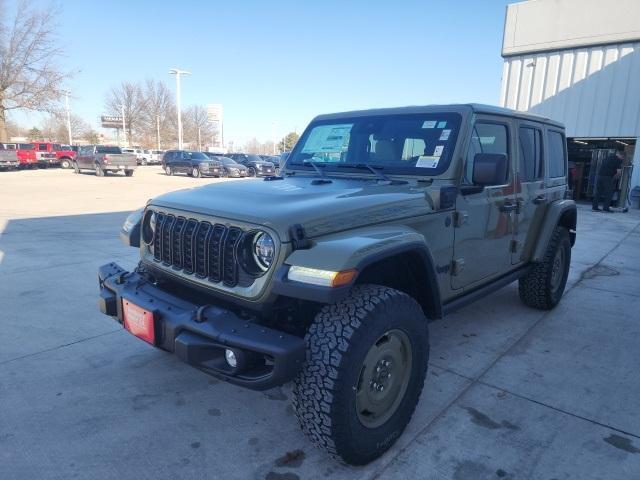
x: 490, y: 169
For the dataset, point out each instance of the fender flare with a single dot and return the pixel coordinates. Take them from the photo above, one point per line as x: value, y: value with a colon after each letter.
x: 560, y: 212
x: 381, y: 243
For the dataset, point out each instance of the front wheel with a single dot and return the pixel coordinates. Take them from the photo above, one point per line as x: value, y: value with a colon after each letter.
x: 144, y: 161
x: 251, y: 172
x: 543, y: 286
x: 195, y: 172
x: 76, y: 169
x: 65, y: 163
x: 168, y: 170
x: 365, y: 368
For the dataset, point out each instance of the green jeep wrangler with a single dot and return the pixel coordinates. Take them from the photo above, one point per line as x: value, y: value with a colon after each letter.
x: 381, y: 221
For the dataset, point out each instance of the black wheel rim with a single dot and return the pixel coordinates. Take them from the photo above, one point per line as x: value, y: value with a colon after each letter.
x: 384, y: 378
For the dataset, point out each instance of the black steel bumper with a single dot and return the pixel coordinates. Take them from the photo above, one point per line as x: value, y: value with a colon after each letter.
x: 199, y: 334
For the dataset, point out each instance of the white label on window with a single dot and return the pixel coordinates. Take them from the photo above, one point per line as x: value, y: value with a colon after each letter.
x: 445, y: 135
x: 442, y: 124
x: 429, y: 124
x: 425, y: 161
x: 438, y: 151
x: 328, y: 138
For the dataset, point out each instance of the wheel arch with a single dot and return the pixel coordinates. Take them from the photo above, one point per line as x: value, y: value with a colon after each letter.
x: 563, y: 213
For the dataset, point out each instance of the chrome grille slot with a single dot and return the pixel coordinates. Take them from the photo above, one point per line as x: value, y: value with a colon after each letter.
x: 201, y: 241
x: 214, y: 252
x: 167, y: 225
x: 188, y: 245
x: 177, y: 248
x: 230, y: 267
x: 157, y: 238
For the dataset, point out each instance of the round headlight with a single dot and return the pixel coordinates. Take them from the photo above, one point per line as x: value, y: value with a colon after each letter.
x: 264, y: 250
x: 148, y: 226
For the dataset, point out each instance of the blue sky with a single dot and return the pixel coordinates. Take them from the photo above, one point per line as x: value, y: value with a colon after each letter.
x: 285, y: 61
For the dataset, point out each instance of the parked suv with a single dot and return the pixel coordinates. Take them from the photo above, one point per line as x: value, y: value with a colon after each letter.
x: 229, y: 167
x: 382, y: 220
x: 103, y: 159
x: 256, y: 166
x: 195, y: 164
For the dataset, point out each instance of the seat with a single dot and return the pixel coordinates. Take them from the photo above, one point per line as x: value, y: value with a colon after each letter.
x: 385, y: 151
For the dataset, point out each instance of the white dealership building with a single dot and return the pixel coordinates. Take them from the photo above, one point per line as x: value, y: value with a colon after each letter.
x: 578, y: 61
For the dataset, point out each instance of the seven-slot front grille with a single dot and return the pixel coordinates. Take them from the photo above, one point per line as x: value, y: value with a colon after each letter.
x: 201, y: 248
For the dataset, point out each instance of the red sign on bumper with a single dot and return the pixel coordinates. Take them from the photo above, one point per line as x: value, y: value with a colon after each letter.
x: 139, y: 321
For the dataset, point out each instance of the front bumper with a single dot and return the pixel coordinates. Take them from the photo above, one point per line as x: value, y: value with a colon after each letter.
x: 9, y: 164
x: 199, y: 334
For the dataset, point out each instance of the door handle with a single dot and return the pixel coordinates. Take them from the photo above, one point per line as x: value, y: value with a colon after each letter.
x: 539, y: 199
x: 508, y: 207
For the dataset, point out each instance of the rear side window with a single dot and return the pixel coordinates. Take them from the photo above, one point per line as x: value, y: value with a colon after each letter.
x: 42, y: 147
x: 108, y: 150
x: 486, y: 138
x: 557, y: 157
x: 530, y: 165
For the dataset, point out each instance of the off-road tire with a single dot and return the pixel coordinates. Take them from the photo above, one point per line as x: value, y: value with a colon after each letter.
x: 535, y: 288
x: 128, y: 173
x: 324, y: 395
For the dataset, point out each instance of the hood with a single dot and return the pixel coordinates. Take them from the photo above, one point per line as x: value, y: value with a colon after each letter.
x: 321, y: 208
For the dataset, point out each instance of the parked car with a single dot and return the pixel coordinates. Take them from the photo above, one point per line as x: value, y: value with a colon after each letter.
x: 62, y: 153
x: 141, y: 156
x: 195, y: 164
x: 155, y: 157
x: 230, y: 168
x: 8, y: 158
x: 256, y: 166
x: 103, y: 159
x: 332, y: 286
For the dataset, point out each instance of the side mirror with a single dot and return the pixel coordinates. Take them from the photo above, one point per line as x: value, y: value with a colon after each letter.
x: 490, y: 169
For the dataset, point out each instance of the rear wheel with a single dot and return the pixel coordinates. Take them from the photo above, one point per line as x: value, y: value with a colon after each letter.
x: 543, y: 286
x: 76, y: 169
x: 366, y: 363
x: 128, y: 173
x: 99, y: 171
x: 195, y: 172
x: 168, y: 170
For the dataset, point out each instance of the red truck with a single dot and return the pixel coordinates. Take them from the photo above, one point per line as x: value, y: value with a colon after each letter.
x: 62, y: 154
x: 26, y: 153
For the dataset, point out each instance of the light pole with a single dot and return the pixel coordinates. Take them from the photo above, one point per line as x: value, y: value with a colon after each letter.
x: 158, y: 130
x: 124, y: 125
x: 177, y: 73
x: 66, y: 97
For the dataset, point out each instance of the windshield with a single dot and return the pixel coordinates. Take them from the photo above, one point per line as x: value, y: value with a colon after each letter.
x: 104, y: 149
x: 26, y: 146
x: 56, y: 147
x: 414, y: 144
x: 254, y: 158
x: 227, y: 161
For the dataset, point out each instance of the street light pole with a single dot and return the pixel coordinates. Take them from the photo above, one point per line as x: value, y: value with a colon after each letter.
x: 124, y: 126
x: 158, y: 130
x: 177, y: 73
x: 66, y: 96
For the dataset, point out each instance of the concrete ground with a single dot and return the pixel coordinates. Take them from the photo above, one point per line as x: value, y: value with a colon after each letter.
x: 511, y: 392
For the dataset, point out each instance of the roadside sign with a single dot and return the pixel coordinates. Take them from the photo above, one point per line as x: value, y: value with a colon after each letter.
x: 214, y: 112
x: 110, y: 121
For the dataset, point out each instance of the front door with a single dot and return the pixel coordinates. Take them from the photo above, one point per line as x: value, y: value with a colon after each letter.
x: 484, y: 214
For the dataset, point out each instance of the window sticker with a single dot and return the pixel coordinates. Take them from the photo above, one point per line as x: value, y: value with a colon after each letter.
x: 427, y: 161
x: 445, y: 135
x: 442, y: 124
x: 438, y: 151
x: 328, y: 138
x: 429, y: 124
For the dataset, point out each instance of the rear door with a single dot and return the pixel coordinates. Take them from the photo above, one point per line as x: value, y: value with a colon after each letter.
x: 484, y: 215
x: 530, y: 188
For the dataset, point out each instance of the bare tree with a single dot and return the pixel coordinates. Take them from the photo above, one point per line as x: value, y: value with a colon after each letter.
x: 160, y: 112
x: 198, y: 131
x: 130, y: 96
x: 29, y: 76
x: 55, y: 127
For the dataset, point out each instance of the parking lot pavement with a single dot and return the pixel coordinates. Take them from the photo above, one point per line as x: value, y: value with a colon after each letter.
x: 511, y: 393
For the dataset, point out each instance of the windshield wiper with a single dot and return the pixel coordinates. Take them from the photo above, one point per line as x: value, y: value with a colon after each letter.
x: 365, y: 166
x: 315, y: 166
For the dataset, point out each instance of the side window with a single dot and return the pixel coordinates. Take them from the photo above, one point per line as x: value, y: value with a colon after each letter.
x: 486, y: 138
x: 530, y: 165
x: 557, y: 147
x: 42, y: 147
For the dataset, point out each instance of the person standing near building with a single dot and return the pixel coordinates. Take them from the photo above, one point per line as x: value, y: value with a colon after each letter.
x: 608, y: 172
